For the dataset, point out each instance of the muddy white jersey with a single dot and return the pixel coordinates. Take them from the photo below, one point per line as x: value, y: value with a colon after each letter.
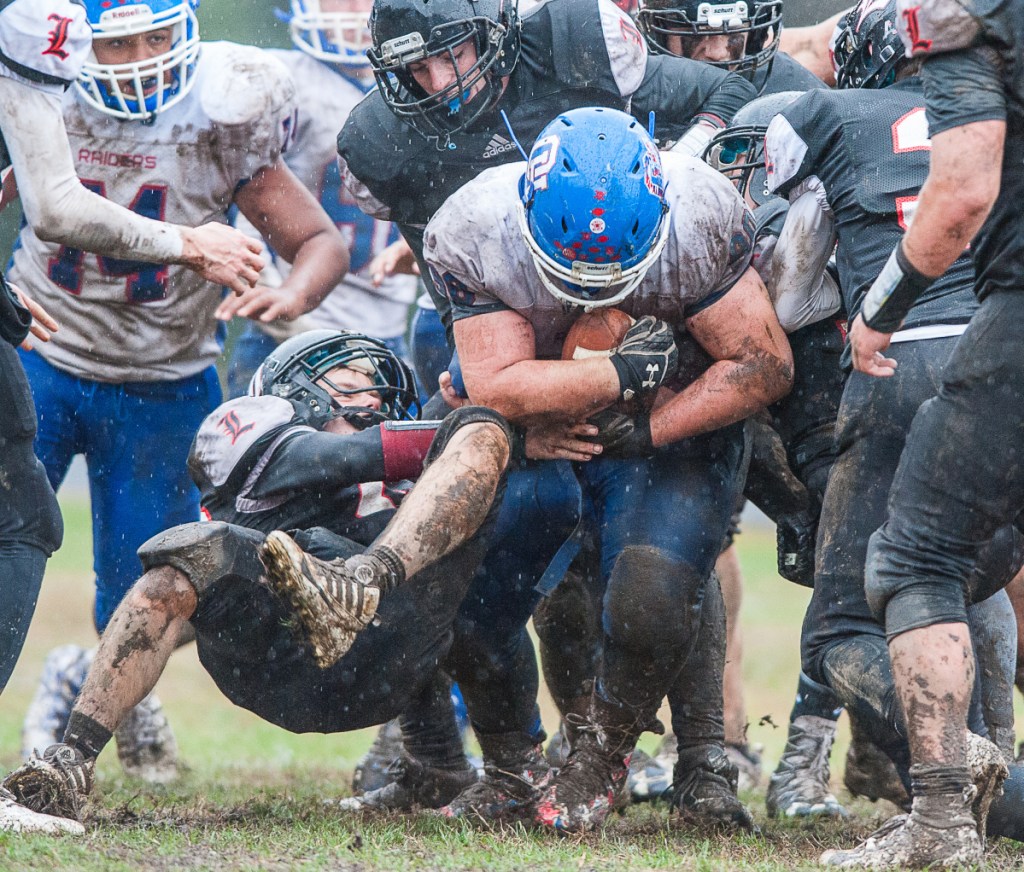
x: 479, y: 260
x: 325, y: 97
x: 124, y: 320
x: 43, y: 43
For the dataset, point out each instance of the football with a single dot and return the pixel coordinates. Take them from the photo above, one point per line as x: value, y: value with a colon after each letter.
x: 595, y: 334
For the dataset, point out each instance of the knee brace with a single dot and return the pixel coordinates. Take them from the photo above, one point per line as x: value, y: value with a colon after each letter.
x: 462, y: 418
x: 653, y: 601
x: 901, y: 601
x: 206, y: 552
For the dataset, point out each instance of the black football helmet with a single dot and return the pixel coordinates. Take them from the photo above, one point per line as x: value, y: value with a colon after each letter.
x: 867, y: 51
x: 297, y: 370
x: 407, y: 31
x: 760, y: 21
x: 738, y: 151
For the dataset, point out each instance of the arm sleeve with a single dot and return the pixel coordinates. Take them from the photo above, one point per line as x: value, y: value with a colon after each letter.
x: 801, y: 287
x: 963, y: 87
x: 312, y: 459
x: 680, y: 91
x: 57, y: 206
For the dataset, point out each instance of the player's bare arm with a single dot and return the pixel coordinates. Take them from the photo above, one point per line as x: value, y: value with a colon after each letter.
x: 497, y: 354
x: 809, y: 46
x: 288, y: 216
x: 753, y: 365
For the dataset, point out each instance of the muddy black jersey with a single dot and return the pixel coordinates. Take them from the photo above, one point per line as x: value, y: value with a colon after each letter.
x: 575, y: 53
x: 982, y: 81
x: 866, y: 152
x: 259, y: 465
x: 785, y: 74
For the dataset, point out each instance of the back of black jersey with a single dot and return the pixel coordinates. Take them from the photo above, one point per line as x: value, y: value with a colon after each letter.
x: 867, y: 151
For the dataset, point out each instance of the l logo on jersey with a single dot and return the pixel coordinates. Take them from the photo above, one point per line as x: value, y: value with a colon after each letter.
x: 58, y: 36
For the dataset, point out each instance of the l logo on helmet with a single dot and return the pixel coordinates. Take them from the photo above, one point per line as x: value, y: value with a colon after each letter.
x: 58, y: 36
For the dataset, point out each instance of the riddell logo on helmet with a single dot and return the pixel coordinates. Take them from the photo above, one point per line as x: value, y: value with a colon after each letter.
x: 137, y: 11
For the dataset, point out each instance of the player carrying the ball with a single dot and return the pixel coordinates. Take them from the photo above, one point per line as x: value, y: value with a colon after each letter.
x: 598, y: 218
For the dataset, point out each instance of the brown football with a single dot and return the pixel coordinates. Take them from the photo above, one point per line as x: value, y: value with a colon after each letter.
x: 595, y: 334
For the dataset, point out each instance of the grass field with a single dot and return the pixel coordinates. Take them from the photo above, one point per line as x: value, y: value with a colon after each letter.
x: 255, y: 796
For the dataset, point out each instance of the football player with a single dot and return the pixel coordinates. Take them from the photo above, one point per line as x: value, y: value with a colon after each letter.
x: 158, y: 123
x: 447, y: 70
x: 43, y: 44
x: 868, y: 195
x: 743, y: 36
x: 324, y: 449
x: 595, y: 219
x: 331, y: 75
x: 960, y: 477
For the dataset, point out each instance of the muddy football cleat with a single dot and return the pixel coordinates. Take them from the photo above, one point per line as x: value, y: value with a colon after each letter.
x: 870, y: 773
x: 374, y: 770
x: 747, y: 760
x: 705, y: 789
x: 329, y: 603
x: 64, y: 672
x: 15, y: 818
x: 413, y: 785
x: 146, y: 745
x: 799, y: 786
x: 584, y: 791
x: 56, y: 782
x: 905, y: 842
x: 988, y: 772
x: 650, y: 778
x: 515, y: 775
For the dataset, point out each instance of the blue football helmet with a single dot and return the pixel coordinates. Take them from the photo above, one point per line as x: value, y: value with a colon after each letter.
x: 335, y: 36
x: 163, y: 80
x: 299, y: 367
x: 593, y: 209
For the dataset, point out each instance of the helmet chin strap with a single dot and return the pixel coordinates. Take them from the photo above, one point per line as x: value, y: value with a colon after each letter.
x: 360, y: 417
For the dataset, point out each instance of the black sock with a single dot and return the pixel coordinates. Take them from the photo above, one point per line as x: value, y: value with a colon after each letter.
x: 815, y: 700
x: 391, y: 563
x: 87, y: 735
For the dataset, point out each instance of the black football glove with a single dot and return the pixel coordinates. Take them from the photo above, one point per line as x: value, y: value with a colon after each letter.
x: 622, y: 436
x: 646, y: 357
x: 795, y: 536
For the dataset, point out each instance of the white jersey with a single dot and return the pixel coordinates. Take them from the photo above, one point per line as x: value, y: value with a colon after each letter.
x: 123, y: 320
x: 325, y: 98
x: 479, y: 260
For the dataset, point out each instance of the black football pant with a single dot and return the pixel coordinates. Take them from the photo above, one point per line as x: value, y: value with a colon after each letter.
x: 874, y: 419
x: 30, y: 523
x: 960, y: 480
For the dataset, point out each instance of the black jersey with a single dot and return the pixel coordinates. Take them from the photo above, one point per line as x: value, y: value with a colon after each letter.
x: 259, y: 465
x: 785, y: 74
x: 866, y: 153
x: 982, y: 81
x: 575, y: 53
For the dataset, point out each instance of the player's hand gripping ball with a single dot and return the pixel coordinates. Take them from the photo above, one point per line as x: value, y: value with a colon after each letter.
x: 596, y: 334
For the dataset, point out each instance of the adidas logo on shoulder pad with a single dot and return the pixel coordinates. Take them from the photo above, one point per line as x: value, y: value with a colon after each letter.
x: 497, y: 145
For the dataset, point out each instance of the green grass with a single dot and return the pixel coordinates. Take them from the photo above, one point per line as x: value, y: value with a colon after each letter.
x: 257, y: 797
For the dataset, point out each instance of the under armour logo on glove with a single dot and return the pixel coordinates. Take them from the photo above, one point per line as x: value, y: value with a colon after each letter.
x: 651, y: 381
x: 649, y: 346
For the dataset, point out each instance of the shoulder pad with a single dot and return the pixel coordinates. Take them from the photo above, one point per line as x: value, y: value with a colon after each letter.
x: 44, y: 42
x: 233, y: 435
x: 375, y: 144
x: 244, y: 84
